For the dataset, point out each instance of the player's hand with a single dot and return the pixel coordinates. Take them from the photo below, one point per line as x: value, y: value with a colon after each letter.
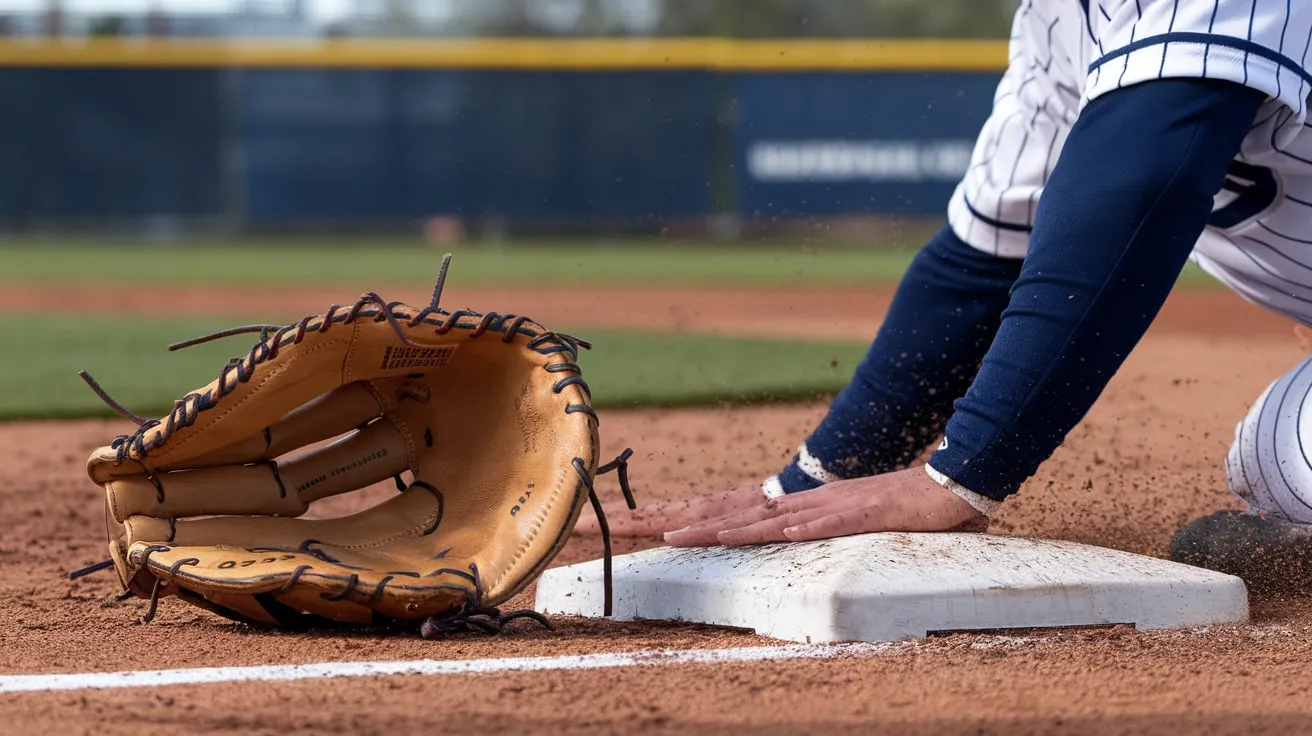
x: 907, y: 500
x: 654, y: 519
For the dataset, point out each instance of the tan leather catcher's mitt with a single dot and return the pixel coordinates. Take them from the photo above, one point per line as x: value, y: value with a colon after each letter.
x: 484, y: 421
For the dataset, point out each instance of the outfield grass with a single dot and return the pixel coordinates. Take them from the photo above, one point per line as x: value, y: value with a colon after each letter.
x: 39, y: 379
x: 625, y: 369
x: 372, y: 263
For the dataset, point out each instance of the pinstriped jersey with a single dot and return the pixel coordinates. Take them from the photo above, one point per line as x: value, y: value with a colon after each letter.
x: 1065, y: 53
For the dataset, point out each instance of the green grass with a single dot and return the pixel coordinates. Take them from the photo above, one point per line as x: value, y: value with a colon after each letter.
x: 373, y: 263
x: 127, y: 353
x: 129, y: 359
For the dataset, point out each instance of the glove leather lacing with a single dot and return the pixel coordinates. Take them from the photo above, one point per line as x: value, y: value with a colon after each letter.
x: 471, y: 616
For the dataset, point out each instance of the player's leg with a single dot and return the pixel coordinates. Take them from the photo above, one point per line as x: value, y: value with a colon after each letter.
x: 1268, y: 467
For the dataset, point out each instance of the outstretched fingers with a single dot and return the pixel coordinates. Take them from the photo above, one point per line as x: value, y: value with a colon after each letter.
x: 935, y: 513
x: 902, y: 501
x: 839, y: 524
x: 764, y: 522
x: 769, y: 530
x: 707, y: 532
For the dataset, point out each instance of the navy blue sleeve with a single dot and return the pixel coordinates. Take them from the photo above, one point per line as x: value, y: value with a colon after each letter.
x: 944, y: 315
x: 1125, y: 204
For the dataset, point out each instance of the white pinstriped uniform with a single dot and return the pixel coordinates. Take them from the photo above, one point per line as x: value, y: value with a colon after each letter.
x: 1065, y: 53
x: 1063, y: 56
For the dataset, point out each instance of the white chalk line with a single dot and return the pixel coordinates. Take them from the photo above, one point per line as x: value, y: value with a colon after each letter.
x: 214, y: 675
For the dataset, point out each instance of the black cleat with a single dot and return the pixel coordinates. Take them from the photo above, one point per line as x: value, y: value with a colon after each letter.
x: 1273, y: 556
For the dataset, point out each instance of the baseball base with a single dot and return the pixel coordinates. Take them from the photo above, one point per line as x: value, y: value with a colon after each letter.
x: 897, y: 586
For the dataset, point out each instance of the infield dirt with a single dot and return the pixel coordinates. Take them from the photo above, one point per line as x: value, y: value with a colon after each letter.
x: 1148, y: 458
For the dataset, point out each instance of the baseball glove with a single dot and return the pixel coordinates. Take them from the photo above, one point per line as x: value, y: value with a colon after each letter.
x: 483, y: 420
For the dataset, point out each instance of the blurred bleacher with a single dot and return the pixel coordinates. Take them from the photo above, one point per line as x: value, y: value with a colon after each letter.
x: 494, y: 116
x: 373, y: 18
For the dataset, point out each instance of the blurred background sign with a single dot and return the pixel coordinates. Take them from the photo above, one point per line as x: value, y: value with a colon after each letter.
x: 833, y: 144
x: 501, y: 115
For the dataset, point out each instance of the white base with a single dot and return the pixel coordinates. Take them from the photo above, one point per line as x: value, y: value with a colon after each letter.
x: 895, y: 586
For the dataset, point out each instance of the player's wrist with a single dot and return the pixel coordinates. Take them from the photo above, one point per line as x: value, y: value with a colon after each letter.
x: 983, y: 504
x: 803, y: 473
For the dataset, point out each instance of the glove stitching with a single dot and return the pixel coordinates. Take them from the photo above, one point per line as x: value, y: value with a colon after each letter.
x: 403, y: 429
x: 176, y: 444
x: 380, y: 397
x: 348, y: 359
x: 553, y: 365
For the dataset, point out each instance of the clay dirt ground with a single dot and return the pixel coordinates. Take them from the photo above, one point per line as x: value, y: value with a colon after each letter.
x: 1147, y: 459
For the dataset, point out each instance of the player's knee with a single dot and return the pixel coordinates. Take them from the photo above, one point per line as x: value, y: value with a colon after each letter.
x: 1268, y: 465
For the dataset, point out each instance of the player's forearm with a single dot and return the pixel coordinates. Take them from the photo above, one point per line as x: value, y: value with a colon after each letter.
x: 942, y: 319
x: 1116, y: 223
